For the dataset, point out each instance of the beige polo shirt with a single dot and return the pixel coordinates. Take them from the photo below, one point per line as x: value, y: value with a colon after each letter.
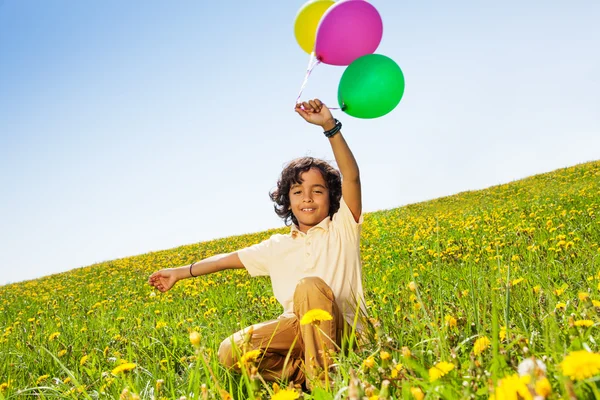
x: 329, y: 250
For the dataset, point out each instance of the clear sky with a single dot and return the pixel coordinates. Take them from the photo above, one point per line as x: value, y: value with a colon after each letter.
x: 134, y: 126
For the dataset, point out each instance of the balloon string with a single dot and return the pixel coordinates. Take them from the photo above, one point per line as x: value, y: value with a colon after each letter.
x: 312, y: 63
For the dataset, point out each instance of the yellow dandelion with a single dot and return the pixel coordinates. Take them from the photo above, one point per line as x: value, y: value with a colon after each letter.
x: 195, y: 338
x: 83, y: 360
x: 543, y: 387
x: 440, y: 369
x: 62, y: 352
x: 450, y: 321
x: 481, y: 345
x: 580, y: 365
x: 369, y: 362
x: 123, y: 368
x: 251, y: 355
x: 596, y: 303
x: 161, y: 324
x: 42, y: 379
x: 513, y: 387
x: 583, y: 296
x: 559, y: 291
x: 406, y: 352
x: 53, y: 336
x: 384, y: 355
x: 285, y: 394
x: 584, y: 322
x: 4, y: 386
x: 397, y: 368
x: 516, y: 281
x: 315, y: 316
x: 536, y: 289
x: 412, y: 286
x: 502, y: 333
x: 561, y: 306
x: 417, y: 393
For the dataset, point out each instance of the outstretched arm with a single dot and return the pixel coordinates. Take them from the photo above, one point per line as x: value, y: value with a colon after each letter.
x: 164, y: 279
x: 317, y: 113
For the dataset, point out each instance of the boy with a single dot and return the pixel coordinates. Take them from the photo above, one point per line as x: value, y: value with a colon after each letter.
x: 316, y: 266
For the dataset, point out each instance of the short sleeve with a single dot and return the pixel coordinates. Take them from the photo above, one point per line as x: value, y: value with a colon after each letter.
x: 256, y: 258
x: 344, y: 217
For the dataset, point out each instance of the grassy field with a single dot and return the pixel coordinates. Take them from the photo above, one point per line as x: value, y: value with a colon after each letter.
x: 460, y: 290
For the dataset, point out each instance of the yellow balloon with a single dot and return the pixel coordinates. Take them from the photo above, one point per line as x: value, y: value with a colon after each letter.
x: 307, y: 21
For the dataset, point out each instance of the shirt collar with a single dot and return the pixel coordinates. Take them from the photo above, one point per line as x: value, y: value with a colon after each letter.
x: 295, y: 231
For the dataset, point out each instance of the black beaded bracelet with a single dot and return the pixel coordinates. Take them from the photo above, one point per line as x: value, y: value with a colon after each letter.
x: 334, y: 130
x: 191, y: 269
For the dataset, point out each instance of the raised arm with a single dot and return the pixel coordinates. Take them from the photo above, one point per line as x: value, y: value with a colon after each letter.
x: 164, y: 279
x: 317, y: 113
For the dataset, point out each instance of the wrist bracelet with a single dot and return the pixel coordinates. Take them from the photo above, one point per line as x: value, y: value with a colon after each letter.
x: 334, y: 130
x: 191, y: 269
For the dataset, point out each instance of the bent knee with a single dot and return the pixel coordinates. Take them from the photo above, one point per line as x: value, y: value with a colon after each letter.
x: 310, y: 284
x: 226, y: 355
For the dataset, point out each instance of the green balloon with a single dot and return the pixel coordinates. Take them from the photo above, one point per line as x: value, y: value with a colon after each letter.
x: 371, y: 86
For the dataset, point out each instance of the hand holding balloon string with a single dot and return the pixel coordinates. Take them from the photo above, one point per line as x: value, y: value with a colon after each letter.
x: 317, y: 113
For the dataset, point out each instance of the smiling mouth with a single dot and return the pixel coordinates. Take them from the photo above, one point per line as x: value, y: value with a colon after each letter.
x: 308, y: 209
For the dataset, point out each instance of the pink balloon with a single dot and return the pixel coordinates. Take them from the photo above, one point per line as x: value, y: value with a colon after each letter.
x: 348, y: 30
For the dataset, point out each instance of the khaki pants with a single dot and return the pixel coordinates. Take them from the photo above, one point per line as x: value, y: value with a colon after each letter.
x: 305, y: 344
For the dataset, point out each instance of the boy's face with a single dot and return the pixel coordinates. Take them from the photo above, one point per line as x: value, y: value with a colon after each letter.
x: 309, y: 200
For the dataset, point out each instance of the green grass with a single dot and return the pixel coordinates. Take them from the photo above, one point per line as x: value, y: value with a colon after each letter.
x: 516, y: 263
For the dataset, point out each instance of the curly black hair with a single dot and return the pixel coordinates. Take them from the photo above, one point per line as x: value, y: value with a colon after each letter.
x: 291, y: 175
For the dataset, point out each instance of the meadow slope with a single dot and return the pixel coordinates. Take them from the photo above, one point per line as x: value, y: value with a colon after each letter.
x: 460, y: 291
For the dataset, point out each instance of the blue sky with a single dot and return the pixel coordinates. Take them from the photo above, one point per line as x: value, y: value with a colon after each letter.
x: 129, y: 127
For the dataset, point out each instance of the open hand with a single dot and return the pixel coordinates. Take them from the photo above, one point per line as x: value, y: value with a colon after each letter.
x: 163, y: 280
x: 317, y: 113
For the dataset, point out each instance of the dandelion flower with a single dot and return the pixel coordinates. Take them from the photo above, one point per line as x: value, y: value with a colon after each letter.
x: 161, y: 324
x: 406, y: 352
x: 369, y: 362
x: 412, y: 286
x: 561, y: 306
x: 285, y: 394
x: 251, y: 355
x: 123, y: 368
x: 315, y: 316
x: 513, y: 387
x: 83, y: 359
x: 583, y: 296
x: 42, y: 379
x: 502, y: 333
x: 450, y: 321
x: 53, y: 336
x: 580, y: 365
x: 543, y: 387
x: 195, y: 338
x: 481, y: 345
x: 3, y: 386
x: 516, y: 281
x: 417, y: 393
x: 584, y: 322
x: 596, y: 303
x: 384, y: 355
x: 440, y: 369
